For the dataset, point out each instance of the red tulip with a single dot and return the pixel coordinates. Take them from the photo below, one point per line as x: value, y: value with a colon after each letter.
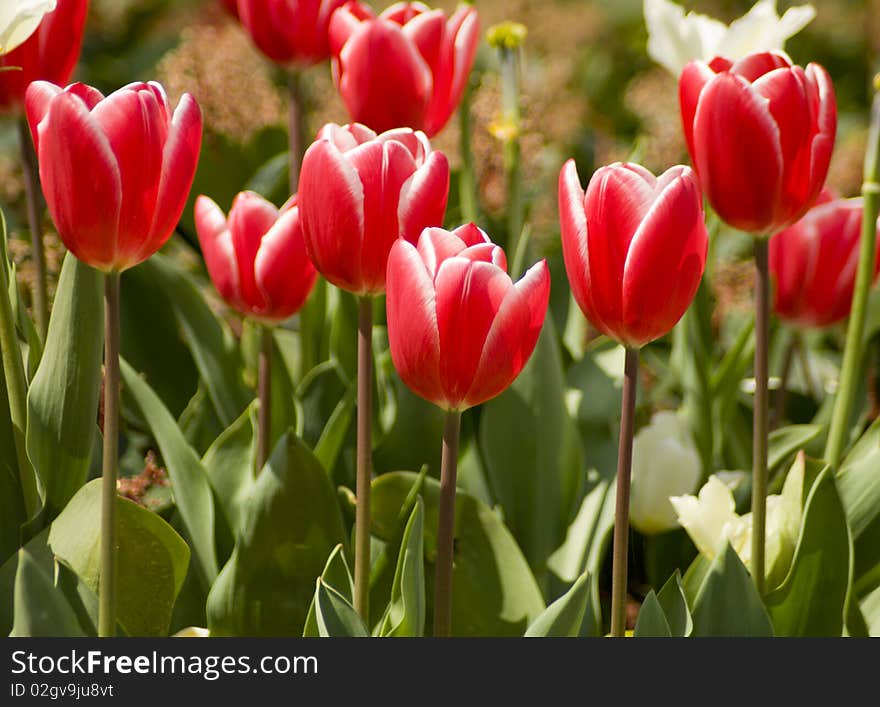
x: 760, y: 133
x: 257, y: 258
x: 460, y: 329
x: 289, y: 31
x: 406, y: 67
x: 813, y: 263
x: 116, y: 171
x: 359, y: 193
x: 48, y: 54
x: 634, y: 247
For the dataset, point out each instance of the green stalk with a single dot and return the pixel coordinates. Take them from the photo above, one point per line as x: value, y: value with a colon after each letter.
x: 446, y: 527
x: 620, y: 551
x: 467, y: 181
x: 855, y: 333
x: 760, y: 417
x: 264, y: 394
x: 364, y: 446
x: 38, y: 252
x: 109, y: 570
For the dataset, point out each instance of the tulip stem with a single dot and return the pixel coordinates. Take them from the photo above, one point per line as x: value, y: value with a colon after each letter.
x: 855, y: 333
x: 364, y: 448
x: 295, y: 127
x: 108, y: 576
x: 264, y: 393
x: 621, y: 512
x: 782, y: 391
x: 16, y: 385
x: 760, y: 415
x: 467, y: 181
x: 446, y: 527
x: 38, y: 253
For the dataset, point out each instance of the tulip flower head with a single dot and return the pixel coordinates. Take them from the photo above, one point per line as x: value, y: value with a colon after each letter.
x: 289, y: 31
x: 408, y: 67
x: 760, y: 133
x: 19, y: 19
x: 665, y: 463
x: 257, y: 257
x: 459, y: 328
x: 813, y: 264
x: 115, y: 171
x: 359, y: 192
x: 634, y: 246
x: 676, y: 38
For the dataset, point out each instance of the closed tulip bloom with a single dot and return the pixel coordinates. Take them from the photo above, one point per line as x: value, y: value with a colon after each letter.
x: 289, y: 31
x: 760, y: 133
x: 50, y: 53
x: 813, y: 264
x: 459, y: 328
x: 360, y: 192
x: 634, y: 247
x: 408, y: 67
x: 116, y: 171
x: 257, y: 257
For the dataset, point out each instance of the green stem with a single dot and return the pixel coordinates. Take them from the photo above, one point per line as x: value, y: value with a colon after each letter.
x: 295, y: 127
x: 446, y: 527
x: 108, y: 576
x: 38, y: 253
x: 621, y: 512
x: 467, y: 180
x: 846, y: 392
x: 760, y: 428
x: 364, y: 445
x: 264, y: 394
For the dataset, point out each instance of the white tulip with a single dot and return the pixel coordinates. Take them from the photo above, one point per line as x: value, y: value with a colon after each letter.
x: 711, y: 521
x: 19, y: 19
x: 675, y: 38
x: 665, y: 463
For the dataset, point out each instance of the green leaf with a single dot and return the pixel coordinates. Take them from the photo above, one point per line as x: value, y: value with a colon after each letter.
x: 811, y: 600
x: 152, y: 558
x: 12, y: 510
x: 289, y: 526
x: 210, y: 342
x: 330, y: 443
x: 336, y: 575
x: 41, y: 609
x: 406, y: 610
x: 189, y: 480
x: 63, y: 397
x: 494, y: 592
x: 727, y: 603
x: 565, y: 616
x: 652, y: 619
x: 870, y: 607
x: 675, y: 609
x: 533, y: 454
x: 334, y: 615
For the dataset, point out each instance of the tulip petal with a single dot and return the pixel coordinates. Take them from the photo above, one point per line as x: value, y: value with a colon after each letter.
x: 216, y: 242
x: 691, y: 83
x: 250, y: 218
x: 426, y: 30
x: 412, y: 322
x: 344, y: 22
x: 819, y: 85
x: 754, y: 66
x: 423, y: 197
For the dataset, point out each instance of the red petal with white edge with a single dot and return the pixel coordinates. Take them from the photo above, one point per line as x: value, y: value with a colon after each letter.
x: 37, y: 99
x: 423, y: 197
x: 216, y: 242
x: 284, y: 273
x: 665, y: 260
x: 821, y: 91
x: 331, y: 199
x: 85, y: 211
x: 404, y: 12
x: 180, y: 158
x: 250, y: 218
x: 693, y: 79
x: 617, y: 199
x: 471, y: 234
x: 738, y: 154
x: 412, y: 323
x: 427, y: 31
x: 469, y: 295
x: 513, y: 335
x: 344, y: 22
x: 754, y: 66
x: 383, y: 79
x: 136, y: 127
x: 436, y: 245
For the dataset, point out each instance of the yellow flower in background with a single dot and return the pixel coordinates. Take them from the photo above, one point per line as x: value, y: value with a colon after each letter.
x: 19, y: 19
x: 675, y: 38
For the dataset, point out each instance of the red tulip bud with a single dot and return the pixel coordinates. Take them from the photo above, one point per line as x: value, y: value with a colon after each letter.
x: 360, y: 192
x: 116, y: 171
x: 459, y: 328
x: 257, y: 258
x: 760, y: 134
x: 634, y: 247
